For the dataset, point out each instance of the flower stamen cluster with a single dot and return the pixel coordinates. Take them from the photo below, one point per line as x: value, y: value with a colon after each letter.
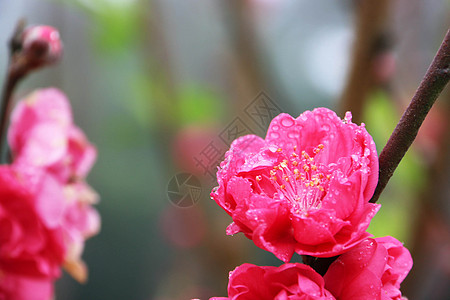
x: 300, y: 180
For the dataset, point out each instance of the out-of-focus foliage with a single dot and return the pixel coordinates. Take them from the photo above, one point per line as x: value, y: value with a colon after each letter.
x: 116, y: 22
x: 200, y: 106
x: 398, y: 200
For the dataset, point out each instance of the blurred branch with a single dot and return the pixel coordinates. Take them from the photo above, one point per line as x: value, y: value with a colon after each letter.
x: 158, y: 67
x: 247, y: 72
x: 434, y: 81
x: 16, y: 71
x: 369, y: 36
x: 245, y: 44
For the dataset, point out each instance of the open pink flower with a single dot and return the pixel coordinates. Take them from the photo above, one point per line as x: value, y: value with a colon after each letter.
x: 291, y: 281
x: 305, y: 188
x: 31, y: 241
x: 373, y: 269
x: 42, y: 134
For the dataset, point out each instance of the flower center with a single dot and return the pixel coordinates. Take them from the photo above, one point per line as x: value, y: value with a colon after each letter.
x: 300, y: 180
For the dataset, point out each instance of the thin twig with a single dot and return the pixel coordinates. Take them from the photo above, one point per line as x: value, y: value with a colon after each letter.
x: 11, y: 82
x: 434, y: 81
x: 16, y: 71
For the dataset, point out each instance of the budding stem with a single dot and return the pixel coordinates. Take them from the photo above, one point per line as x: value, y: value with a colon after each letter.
x: 434, y: 81
x: 11, y: 82
x: 15, y: 73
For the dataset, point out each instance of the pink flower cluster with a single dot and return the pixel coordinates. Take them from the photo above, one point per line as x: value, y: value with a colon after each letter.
x: 45, y: 203
x: 305, y: 189
x: 373, y: 269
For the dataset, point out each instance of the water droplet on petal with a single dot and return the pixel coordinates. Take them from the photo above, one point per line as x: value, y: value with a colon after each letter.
x: 273, y: 148
x: 292, y: 135
x: 287, y: 122
x: 348, y: 117
x: 325, y: 127
x: 274, y: 135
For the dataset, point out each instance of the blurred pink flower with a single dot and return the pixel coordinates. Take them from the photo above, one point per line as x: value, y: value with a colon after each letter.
x: 80, y: 222
x: 31, y: 240
x: 305, y: 188
x: 188, y: 143
x: 16, y: 287
x: 42, y: 134
x: 373, y: 269
x: 43, y: 137
x: 289, y: 281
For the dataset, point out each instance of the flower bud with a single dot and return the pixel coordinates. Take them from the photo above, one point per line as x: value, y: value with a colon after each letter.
x: 41, y: 45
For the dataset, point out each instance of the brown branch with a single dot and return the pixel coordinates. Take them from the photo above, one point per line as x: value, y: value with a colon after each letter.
x: 369, y: 39
x: 16, y: 71
x: 434, y: 81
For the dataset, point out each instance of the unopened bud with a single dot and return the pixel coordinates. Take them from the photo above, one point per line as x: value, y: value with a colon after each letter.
x: 41, y: 45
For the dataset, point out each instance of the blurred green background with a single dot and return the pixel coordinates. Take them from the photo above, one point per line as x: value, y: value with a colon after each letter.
x: 153, y: 83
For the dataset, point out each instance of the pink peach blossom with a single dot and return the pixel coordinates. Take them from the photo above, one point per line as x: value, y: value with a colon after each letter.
x: 305, y: 188
x: 17, y: 287
x: 80, y: 222
x: 373, y: 269
x: 290, y: 281
x: 43, y: 138
x: 31, y: 242
x: 42, y: 134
